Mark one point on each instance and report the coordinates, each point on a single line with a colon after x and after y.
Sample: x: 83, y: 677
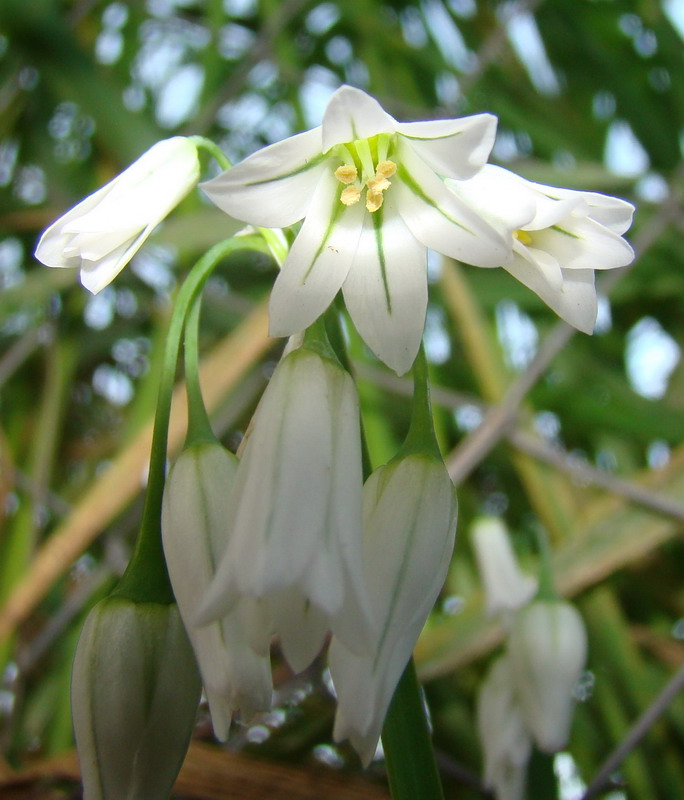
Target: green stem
x: 202, y: 143
x: 547, y: 587
x: 199, y: 426
x: 410, y: 759
x: 421, y: 434
x: 146, y: 578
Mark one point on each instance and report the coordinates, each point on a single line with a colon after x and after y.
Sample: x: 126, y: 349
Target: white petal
x: 612, y: 212
x: 272, y: 187
x: 453, y: 148
x: 318, y: 262
x: 542, y: 261
x: 386, y: 289
x: 352, y: 114
x: 301, y: 626
x: 441, y: 220
x: 581, y: 243
x: 575, y: 302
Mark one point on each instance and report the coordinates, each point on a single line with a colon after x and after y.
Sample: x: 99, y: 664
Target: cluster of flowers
x: 527, y: 696
x: 426, y: 185
x: 287, y: 540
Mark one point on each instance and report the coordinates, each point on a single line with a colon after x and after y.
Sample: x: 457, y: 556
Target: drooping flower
x: 506, y: 742
x: 409, y: 519
x: 135, y: 691
x: 506, y: 587
x: 559, y: 237
x: 295, y: 519
x: 371, y: 194
x: 236, y: 676
x: 103, y: 232
x: 547, y: 646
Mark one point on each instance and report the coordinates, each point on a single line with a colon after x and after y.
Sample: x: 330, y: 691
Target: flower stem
x: 421, y: 436
x: 411, y: 766
x: 547, y: 587
x: 213, y: 149
x: 146, y: 578
x: 199, y: 427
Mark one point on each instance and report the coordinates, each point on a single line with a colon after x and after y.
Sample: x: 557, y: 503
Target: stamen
x: 385, y: 169
x: 374, y: 200
x: 523, y: 237
x: 350, y: 195
x: 346, y: 173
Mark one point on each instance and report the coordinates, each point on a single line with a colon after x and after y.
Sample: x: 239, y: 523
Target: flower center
x: 365, y: 166
x: 524, y: 237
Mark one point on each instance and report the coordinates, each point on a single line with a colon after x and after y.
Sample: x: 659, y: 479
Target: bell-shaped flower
x: 506, y: 587
x: 409, y: 520
x: 194, y: 529
x: 371, y: 194
x: 295, y: 519
x: 103, y: 232
x: 559, y: 237
x: 135, y: 691
x: 506, y: 742
x: 548, y: 650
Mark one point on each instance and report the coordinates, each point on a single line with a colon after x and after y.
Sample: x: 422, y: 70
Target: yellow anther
x: 523, y: 237
x: 378, y: 184
x: 374, y: 200
x: 346, y: 174
x: 385, y: 169
x: 350, y: 195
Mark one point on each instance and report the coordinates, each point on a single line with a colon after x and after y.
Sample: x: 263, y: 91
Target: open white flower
x: 194, y: 514
x: 103, y: 232
x: 409, y: 520
x: 295, y: 540
x: 370, y: 192
x: 559, y: 237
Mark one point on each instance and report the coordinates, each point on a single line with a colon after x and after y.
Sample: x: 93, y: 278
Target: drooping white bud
x: 506, y: 742
x: 506, y: 587
x: 103, y: 232
x: 409, y: 520
x: 295, y: 523
x: 195, y: 523
x: 135, y: 691
x: 548, y: 651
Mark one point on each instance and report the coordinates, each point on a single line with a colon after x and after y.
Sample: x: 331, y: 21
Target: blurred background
x: 541, y: 426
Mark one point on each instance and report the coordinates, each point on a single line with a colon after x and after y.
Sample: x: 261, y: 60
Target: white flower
x: 559, y: 237
x: 370, y: 192
x: 505, y: 740
x: 548, y: 650
x: 103, y: 232
x: 135, y: 690
x: 194, y: 527
x: 409, y: 518
x: 295, y: 520
x: 506, y: 587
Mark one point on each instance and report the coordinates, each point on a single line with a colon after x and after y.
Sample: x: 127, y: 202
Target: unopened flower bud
x: 135, y: 691
x: 548, y: 651
x: 506, y: 587
x: 506, y: 742
x: 409, y: 521
x: 195, y: 522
